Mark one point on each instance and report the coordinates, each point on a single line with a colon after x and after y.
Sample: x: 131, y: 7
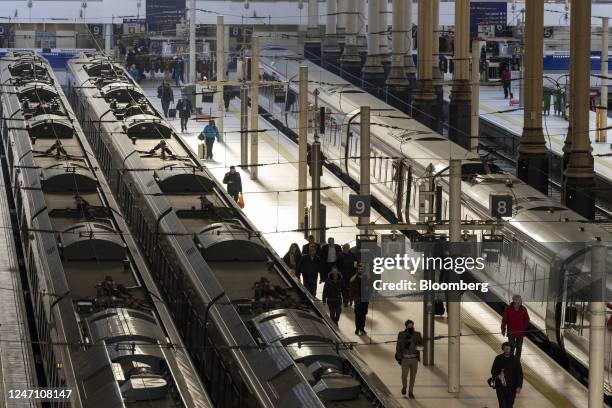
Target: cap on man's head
x: 517, y: 298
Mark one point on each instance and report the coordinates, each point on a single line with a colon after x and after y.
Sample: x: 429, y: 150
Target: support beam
x: 398, y: 86
x: 312, y: 45
x: 602, y: 111
x: 331, y: 49
x: 108, y: 33
x: 302, y: 143
x: 597, y: 326
x: 424, y: 106
x: 532, y: 165
x: 383, y: 23
x: 350, y: 62
x: 373, y: 75
x: 409, y: 46
x: 364, y: 154
x: 220, y: 56
x: 341, y: 23
x: 254, y: 106
x: 192, y: 41
x: 567, y: 146
x: 475, y: 102
x: 244, y: 121
x: 435, y: 67
x: 362, y: 22
x: 579, y: 192
x: 454, y: 298
x: 459, y: 109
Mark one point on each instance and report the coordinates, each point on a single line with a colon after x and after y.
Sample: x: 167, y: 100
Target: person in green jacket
x: 209, y: 134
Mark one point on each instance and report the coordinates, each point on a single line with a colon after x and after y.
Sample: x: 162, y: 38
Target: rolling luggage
x: 202, y: 150
x: 172, y: 112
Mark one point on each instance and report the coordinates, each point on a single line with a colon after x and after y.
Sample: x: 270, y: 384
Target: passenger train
x: 257, y: 337
x: 105, y: 338
x: 541, y: 252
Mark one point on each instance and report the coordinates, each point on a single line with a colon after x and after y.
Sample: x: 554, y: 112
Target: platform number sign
x: 359, y: 205
x: 500, y: 205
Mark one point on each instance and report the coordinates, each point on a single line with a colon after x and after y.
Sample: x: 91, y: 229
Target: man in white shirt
x: 329, y: 255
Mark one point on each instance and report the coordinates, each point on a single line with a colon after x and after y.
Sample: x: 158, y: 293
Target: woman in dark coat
x: 292, y: 258
x: 334, y: 292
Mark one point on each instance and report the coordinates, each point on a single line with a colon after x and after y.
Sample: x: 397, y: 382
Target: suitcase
x: 202, y: 150
x: 172, y: 112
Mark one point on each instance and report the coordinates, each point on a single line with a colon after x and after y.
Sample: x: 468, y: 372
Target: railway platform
x: 271, y: 203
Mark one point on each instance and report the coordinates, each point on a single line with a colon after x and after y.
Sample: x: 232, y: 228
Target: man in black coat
x: 311, y: 241
x: 184, y: 109
x: 165, y: 93
x: 308, y: 268
x: 346, y: 265
x: 329, y: 255
x: 234, y: 183
x: 508, y: 375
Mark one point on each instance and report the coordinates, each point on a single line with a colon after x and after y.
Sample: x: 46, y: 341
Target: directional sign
x: 359, y: 205
x: 500, y: 205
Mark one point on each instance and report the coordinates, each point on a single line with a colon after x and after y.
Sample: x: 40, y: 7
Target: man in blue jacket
x: 209, y: 134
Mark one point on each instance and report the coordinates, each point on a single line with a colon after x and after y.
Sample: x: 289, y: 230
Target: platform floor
x: 271, y: 203
x: 16, y: 359
x: 497, y: 110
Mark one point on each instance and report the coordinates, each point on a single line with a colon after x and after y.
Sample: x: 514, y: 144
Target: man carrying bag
x: 407, y: 355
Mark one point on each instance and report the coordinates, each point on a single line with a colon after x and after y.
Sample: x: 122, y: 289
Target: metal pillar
x: 331, y: 49
x: 108, y: 32
x: 406, y: 28
x: 303, y: 143
x: 398, y: 86
x: 597, y: 330
x: 254, y: 106
x: 364, y: 154
x: 341, y: 23
x: 373, y: 75
x: 602, y: 111
x: 316, y: 179
x: 312, y: 45
x: 383, y: 24
x: 459, y: 109
x: 350, y: 62
x: 532, y: 165
x: 220, y: 56
x: 424, y: 106
x: 475, y: 102
x: 362, y: 21
x: 435, y: 67
x: 192, y: 41
x: 454, y: 298
x: 580, y: 175
x: 244, y: 123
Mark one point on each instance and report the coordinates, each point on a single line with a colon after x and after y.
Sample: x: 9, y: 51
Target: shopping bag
x: 202, y: 150
x: 240, y: 200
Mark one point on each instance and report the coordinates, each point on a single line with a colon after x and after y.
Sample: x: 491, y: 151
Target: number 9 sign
x: 359, y: 205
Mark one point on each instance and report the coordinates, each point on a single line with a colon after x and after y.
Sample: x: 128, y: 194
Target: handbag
x: 491, y: 382
x: 240, y: 200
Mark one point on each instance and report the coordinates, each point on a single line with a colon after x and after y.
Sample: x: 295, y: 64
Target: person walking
x: 334, y: 292
x: 133, y: 71
x: 309, y: 268
x: 166, y: 95
x: 292, y: 258
x: 508, y: 376
x: 234, y: 183
x: 407, y: 355
x: 356, y: 290
x: 346, y: 265
x: 311, y: 241
x: 209, y: 134
x: 506, y: 79
x: 514, y: 322
x: 329, y: 255
x: 184, y: 109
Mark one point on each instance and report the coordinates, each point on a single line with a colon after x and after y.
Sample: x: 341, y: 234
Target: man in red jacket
x: 516, y: 320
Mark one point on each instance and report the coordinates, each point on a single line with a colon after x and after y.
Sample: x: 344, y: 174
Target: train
x: 104, y: 338
x: 257, y: 337
x: 541, y: 252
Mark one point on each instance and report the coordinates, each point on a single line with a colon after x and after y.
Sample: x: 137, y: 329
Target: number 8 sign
x: 500, y: 205
x: 359, y: 205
